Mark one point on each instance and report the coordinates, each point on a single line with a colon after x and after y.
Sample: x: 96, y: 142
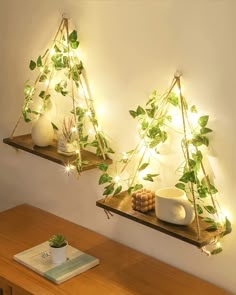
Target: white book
x: 38, y: 259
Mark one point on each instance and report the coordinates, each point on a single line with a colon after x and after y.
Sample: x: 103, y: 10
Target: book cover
x: 38, y: 259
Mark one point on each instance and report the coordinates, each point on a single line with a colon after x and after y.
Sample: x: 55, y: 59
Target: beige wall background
x: 129, y: 48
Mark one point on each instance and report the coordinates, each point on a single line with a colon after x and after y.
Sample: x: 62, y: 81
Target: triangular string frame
x: 154, y: 119
x: 62, y: 56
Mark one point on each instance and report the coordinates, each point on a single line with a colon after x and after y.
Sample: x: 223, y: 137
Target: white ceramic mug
x: 172, y: 205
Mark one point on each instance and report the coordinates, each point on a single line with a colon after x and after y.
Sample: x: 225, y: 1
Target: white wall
x: 129, y: 48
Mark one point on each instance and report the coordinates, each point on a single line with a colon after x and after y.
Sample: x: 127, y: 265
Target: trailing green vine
x: 154, y: 120
x: 59, y: 71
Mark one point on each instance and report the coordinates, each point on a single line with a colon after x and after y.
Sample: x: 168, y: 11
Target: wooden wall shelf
x: 121, y: 204
x: 24, y: 142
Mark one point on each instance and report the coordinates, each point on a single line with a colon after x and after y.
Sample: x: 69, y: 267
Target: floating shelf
x: 121, y: 204
x: 24, y: 142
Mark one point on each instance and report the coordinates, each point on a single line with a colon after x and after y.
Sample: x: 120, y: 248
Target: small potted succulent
x: 58, y: 248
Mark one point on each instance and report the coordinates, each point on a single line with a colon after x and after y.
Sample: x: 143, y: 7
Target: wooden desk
x: 122, y: 271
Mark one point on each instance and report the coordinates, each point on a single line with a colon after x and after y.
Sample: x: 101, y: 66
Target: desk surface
x: 122, y: 271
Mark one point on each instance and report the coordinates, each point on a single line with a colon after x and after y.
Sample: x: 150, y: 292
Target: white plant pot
x: 58, y: 255
x: 42, y: 132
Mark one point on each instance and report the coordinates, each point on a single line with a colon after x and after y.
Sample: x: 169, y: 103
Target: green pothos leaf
x: 103, y: 166
x: 109, y: 189
x: 199, y: 209
x: 216, y: 251
x: 39, y: 62
x: 143, y: 166
x: 118, y: 190
x: 32, y: 65
x: 212, y: 228
x: 104, y: 178
x: 73, y: 36
x: 193, y: 109
x: 180, y: 185
x: 54, y: 126
x: 202, y: 121
x: 205, y: 130
x: 210, y: 209
x: 228, y: 226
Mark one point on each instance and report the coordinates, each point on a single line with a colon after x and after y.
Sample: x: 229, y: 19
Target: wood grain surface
x: 24, y: 142
x: 122, y: 270
x: 121, y: 204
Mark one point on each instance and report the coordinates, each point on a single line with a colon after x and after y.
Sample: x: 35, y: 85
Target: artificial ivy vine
x: 61, y: 60
x: 154, y: 121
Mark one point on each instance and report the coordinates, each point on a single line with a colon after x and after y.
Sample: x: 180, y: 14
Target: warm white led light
x: 52, y: 51
x: 69, y: 167
x: 88, y: 114
x: 193, y: 119
x: 117, y: 179
x: 124, y: 156
x: 40, y: 108
x: 73, y: 129
x: 176, y: 91
x: 189, y: 136
x: 47, y: 82
x: 90, y: 131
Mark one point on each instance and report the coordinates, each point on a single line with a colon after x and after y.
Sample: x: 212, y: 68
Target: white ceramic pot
x: 58, y: 255
x: 172, y: 205
x: 42, y: 132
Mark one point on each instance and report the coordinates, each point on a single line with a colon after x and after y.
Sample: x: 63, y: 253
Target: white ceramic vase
x: 58, y: 255
x: 42, y: 132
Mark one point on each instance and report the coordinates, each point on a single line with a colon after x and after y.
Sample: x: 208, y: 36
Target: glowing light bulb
x: 69, y: 167
x: 124, y: 156
x: 218, y: 245
x: 193, y: 119
x: 77, y: 152
x: 73, y: 129
x: 52, y: 51
x: 46, y: 82
x: 88, y: 114
x: 41, y: 70
x: 176, y: 119
x: 100, y: 111
x: 189, y: 136
x: 90, y: 131
x: 40, y: 108
x: 225, y: 213
x: 176, y: 91
x: 117, y: 179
